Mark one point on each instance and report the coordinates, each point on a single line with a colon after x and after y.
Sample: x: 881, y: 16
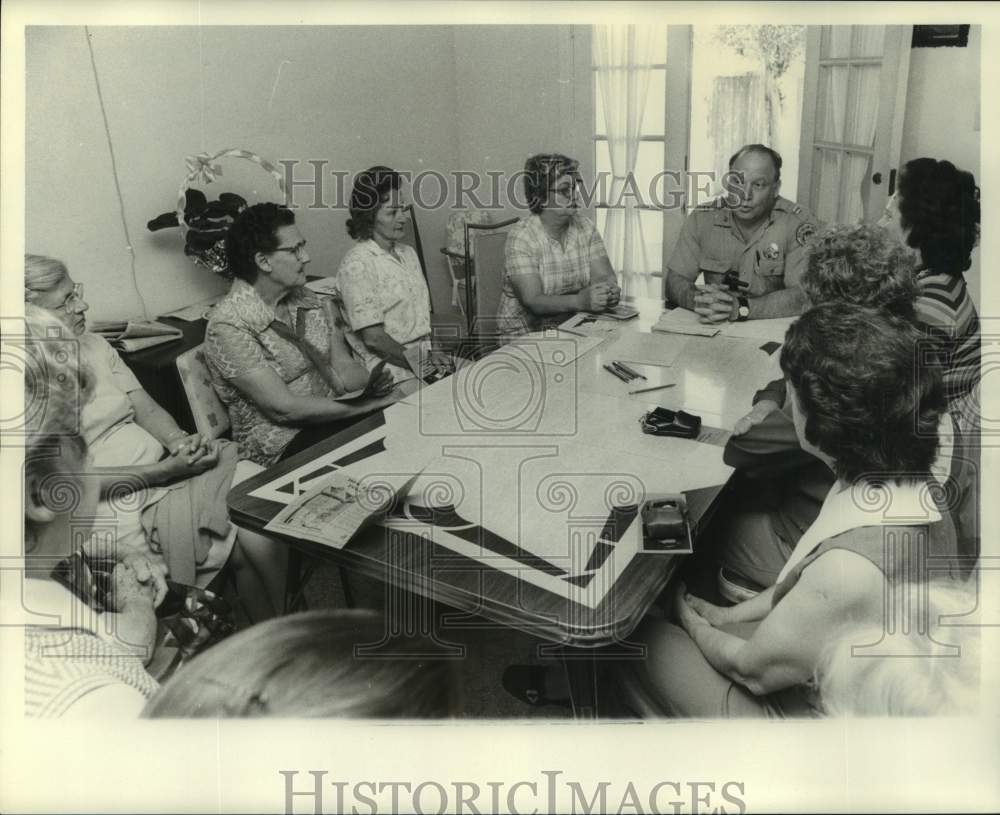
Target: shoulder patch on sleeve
x: 805, y: 231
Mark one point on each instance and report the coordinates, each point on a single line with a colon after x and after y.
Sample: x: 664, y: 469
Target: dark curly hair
x: 867, y: 403
x: 372, y: 188
x: 939, y: 204
x: 541, y: 172
x: 861, y: 265
x: 254, y: 230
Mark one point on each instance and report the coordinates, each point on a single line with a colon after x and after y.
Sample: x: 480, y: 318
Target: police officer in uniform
x: 749, y: 244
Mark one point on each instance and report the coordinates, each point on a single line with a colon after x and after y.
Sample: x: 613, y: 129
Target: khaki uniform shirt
x: 772, y: 258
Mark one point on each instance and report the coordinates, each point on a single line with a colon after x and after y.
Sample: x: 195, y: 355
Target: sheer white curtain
x: 849, y: 116
x: 622, y: 58
x: 861, y: 126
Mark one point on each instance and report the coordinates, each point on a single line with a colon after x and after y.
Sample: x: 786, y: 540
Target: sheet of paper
x: 553, y: 347
x: 682, y: 321
x: 644, y: 348
x: 762, y: 330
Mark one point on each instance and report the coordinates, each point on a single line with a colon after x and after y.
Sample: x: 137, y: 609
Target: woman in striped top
x: 936, y: 212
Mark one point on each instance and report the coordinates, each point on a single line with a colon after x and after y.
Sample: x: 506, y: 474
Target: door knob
x: 877, y: 178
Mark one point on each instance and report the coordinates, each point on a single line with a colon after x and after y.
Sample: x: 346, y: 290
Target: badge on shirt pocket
x: 770, y: 263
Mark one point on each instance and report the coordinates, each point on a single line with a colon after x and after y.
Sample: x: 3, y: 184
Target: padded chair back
x: 210, y: 416
x: 487, y: 242
x: 411, y: 235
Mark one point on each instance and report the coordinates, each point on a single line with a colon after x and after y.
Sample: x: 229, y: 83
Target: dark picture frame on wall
x: 938, y: 36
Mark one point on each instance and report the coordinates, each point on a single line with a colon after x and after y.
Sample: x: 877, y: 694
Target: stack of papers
x: 682, y: 321
x: 136, y: 335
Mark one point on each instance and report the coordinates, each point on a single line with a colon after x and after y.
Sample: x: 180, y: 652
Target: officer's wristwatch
x: 743, y: 312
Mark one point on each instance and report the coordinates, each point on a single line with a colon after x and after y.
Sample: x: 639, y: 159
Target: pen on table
x: 654, y: 388
x: 629, y: 375
x: 629, y: 371
x: 620, y: 375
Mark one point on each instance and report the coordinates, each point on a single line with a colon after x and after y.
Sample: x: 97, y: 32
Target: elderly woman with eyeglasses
x: 88, y: 658
x: 276, y: 349
x: 555, y: 260
x: 163, y: 487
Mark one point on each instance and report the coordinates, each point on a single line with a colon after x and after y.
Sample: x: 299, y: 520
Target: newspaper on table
x: 332, y: 511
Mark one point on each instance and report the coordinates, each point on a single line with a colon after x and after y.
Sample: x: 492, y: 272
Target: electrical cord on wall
x: 114, y: 175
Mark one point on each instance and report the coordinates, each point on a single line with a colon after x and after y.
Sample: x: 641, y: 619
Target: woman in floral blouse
x: 276, y: 350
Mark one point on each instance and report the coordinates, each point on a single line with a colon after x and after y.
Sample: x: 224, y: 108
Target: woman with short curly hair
x: 276, y: 350
x: 863, y: 407
x: 555, y: 261
x: 935, y: 211
x: 860, y: 264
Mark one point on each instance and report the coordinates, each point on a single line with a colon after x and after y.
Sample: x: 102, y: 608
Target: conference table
x: 533, y: 467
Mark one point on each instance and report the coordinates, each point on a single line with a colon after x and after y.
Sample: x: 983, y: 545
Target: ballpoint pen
x: 629, y: 375
x: 620, y: 375
x: 634, y: 374
x: 654, y: 388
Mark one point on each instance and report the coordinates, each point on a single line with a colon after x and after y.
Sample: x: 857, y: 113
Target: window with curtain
x: 630, y: 65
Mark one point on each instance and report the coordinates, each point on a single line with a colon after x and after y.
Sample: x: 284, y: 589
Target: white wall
x: 943, y: 113
x: 352, y: 96
x: 522, y: 90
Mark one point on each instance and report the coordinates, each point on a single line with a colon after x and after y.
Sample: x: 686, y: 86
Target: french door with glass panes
x: 852, y: 117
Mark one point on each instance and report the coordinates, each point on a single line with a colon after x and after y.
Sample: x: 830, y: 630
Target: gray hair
x: 42, y: 273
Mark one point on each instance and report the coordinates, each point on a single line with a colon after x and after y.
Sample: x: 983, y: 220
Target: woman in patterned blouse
x: 382, y: 289
x: 276, y: 349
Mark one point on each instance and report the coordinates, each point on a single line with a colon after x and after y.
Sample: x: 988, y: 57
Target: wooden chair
x: 482, y: 297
